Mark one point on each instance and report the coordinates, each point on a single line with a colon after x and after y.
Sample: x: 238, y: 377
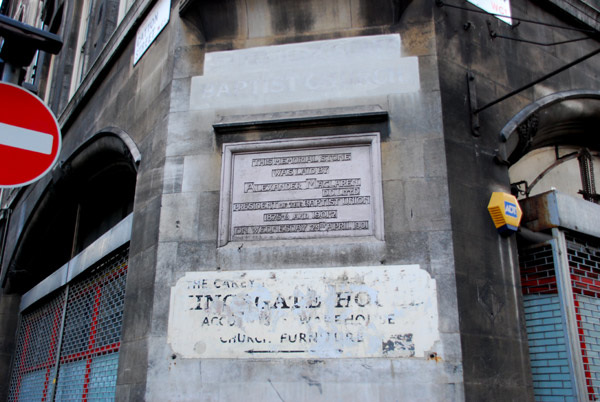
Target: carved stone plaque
x: 301, y: 188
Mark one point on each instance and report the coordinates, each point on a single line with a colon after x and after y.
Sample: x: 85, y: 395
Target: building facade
x: 287, y: 200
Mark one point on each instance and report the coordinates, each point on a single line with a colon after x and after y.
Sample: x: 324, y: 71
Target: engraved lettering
x: 317, y: 170
x: 341, y: 192
x: 308, y: 184
x: 301, y: 227
x: 304, y: 215
x: 292, y: 160
x: 302, y: 193
x: 305, y: 203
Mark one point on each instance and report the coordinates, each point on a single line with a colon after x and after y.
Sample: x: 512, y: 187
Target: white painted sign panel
x: 151, y: 28
x: 384, y: 311
x: 305, y: 72
x: 500, y: 7
x: 22, y: 138
x: 301, y: 189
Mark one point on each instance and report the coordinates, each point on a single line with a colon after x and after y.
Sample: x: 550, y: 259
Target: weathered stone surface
x: 199, y: 173
x: 236, y: 19
x: 190, y: 133
x: 403, y: 159
x: 173, y: 175
x: 304, y: 72
x: 259, y: 63
x: 179, y: 217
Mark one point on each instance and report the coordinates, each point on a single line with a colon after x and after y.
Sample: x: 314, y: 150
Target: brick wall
x: 588, y: 323
x: 547, y: 349
x: 537, y: 270
x: 584, y: 264
x: 546, y: 335
x: 584, y: 261
x: 545, y: 331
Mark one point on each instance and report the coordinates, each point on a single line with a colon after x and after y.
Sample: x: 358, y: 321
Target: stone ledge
x: 300, y: 118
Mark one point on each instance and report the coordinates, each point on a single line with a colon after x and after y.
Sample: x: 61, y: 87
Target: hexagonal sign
x: 505, y: 212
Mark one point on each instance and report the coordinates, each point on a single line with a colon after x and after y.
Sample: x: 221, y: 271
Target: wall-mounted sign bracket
x: 493, y: 34
x: 21, y: 41
x: 473, y: 104
x: 474, y: 110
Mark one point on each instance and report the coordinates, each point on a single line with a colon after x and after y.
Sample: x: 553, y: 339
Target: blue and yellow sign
x: 505, y: 212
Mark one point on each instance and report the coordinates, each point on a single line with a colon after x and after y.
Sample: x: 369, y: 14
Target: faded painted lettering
x: 317, y: 312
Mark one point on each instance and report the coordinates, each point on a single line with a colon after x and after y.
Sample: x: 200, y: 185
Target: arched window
x: 552, y: 147
x: 71, y: 266
x: 90, y: 193
x: 555, y: 144
x: 571, y: 169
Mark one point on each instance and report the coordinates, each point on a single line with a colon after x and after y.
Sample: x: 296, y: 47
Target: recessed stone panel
x: 305, y: 72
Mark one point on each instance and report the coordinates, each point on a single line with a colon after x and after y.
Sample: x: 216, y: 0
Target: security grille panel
x: 35, y: 355
x: 90, y: 342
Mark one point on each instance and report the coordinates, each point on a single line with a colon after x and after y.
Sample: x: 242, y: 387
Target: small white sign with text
x: 154, y: 23
x: 500, y: 8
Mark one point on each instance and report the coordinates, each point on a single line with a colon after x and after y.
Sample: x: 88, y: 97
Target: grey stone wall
x: 489, y: 295
x: 116, y: 97
x: 436, y: 180
x: 416, y: 212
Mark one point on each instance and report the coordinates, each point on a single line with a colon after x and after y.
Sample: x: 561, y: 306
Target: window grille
x: 35, y: 355
x: 588, y: 182
x: 87, y: 330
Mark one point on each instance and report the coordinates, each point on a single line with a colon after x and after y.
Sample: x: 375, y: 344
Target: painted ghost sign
x: 387, y: 311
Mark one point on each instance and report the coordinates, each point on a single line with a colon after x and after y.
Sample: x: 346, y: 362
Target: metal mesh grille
x: 588, y: 182
x: 89, y: 353
x: 35, y: 354
x: 90, y: 342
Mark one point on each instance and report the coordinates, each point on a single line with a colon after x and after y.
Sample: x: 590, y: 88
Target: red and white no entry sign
x: 30, y: 139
